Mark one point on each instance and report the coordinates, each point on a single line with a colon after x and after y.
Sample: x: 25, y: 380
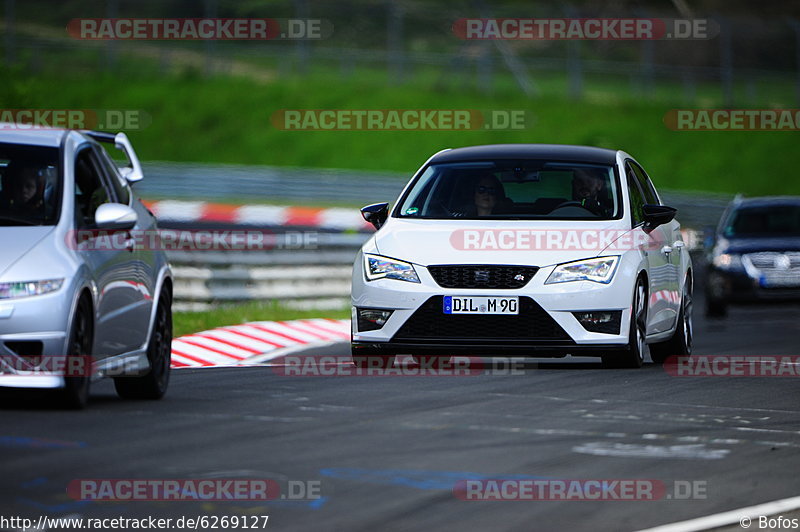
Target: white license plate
x: 481, y: 305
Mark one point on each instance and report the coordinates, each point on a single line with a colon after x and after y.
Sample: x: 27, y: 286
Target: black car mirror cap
x: 376, y: 214
x: 655, y: 215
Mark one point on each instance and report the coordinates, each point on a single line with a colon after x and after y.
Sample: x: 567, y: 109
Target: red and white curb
x: 258, y: 215
x: 236, y: 344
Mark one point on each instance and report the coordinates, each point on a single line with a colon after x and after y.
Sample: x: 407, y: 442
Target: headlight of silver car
x: 29, y: 288
x: 598, y: 270
x: 378, y: 267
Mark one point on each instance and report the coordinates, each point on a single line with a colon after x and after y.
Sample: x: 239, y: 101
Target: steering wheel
x: 574, y: 203
x: 452, y: 214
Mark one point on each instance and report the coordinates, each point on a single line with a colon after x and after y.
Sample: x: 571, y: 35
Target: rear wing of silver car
x: 132, y: 171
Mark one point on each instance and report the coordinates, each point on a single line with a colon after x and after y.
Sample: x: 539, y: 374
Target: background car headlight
x: 377, y: 267
x: 29, y: 288
x: 728, y: 261
x: 599, y: 270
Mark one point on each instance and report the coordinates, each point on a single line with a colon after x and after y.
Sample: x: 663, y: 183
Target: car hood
x: 16, y: 242
x: 754, y: 245
x: 427, y: 242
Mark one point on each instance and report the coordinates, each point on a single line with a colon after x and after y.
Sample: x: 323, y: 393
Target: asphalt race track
x: 386, y: 452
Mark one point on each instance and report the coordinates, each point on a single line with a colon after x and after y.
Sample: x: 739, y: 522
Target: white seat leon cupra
x: 523, y: 250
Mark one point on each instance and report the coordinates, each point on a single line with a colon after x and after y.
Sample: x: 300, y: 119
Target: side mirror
x: 655, y: 215
x: 132, y: 173
x: 115, y: 217
x: 376, y: 214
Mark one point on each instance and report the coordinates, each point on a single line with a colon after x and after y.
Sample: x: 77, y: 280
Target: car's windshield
x: 29, y: 185
x: 775, y: 220
x: 531, y: 189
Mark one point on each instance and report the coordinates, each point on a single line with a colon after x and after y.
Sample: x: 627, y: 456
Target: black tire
x: 716, y: 308
x: 680, y: 344
x: 75, y: 394
x: 633, y: 355
x: 153, y: 384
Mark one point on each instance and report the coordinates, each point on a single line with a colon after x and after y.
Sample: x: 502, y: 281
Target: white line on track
x: 729, y: 518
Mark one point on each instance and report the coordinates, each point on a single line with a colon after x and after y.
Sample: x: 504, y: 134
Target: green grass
x: 227, y: 120
x: 191, y: 322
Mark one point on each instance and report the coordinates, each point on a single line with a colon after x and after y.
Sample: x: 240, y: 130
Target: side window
x: 118, y: 183
x: 649, y: 190
x: 89, y: 190
x: 635, y: 195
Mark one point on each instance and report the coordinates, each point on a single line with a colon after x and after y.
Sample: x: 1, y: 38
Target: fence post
x: 112, y: 11
x: 795, y: 24
x: 301, y: 12
x: 394, y: 41
x: 210, y: 44
x: 10, y: 32
x: 726, y: 61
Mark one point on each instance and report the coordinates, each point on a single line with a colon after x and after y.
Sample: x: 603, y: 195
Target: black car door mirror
x: 376, y: 214
x: 655, y: 215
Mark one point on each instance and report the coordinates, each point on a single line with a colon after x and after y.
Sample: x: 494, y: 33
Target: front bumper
x: 35, y: 324
x: 557, y: 331
x: 738, y: 286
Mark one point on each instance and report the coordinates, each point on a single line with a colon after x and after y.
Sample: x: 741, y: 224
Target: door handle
x: 130, y: 242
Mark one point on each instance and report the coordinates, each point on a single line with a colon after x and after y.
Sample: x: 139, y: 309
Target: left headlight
x: 29, y: 288
x: 378, y: 267
x: 599, y: 270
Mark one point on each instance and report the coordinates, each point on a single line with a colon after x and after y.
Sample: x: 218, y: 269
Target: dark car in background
x: 755, y: 253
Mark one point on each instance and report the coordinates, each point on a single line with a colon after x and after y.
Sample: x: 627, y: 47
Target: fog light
x: 372, y: 319
x: 600, y: 321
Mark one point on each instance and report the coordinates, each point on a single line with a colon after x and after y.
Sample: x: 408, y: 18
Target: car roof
x: 766, y: 201
x: 559, y: 152
x: 34, y: 136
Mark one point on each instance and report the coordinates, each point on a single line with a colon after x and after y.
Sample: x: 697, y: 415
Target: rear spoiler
x: 133, y: 171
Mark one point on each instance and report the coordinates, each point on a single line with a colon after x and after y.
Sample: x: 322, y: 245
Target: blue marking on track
x: 39, y: 443
x: 423, y: 480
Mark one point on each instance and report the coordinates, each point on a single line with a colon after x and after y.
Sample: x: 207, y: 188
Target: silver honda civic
x: 85, y: 290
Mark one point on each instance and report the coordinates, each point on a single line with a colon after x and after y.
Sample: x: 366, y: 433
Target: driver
x: 29, y: 195
x: 588, y: 188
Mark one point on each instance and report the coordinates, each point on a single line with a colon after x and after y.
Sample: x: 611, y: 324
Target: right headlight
x: 598, y: 270
x: 378, y: 267
x: 728, y: 261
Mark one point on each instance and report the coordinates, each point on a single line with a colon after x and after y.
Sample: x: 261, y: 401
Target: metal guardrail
x: 302, y: 278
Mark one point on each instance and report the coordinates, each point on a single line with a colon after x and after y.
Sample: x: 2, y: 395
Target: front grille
x: 482, y: 276
x: 771, y: 260
x: 775, y: 268
x: 430, y: 323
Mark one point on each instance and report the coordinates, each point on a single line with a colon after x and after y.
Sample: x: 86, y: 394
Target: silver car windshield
x: 528, y: 189
x: 29, y: 185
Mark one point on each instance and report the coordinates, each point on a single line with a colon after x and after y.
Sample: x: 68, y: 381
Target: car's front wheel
x: 681, y: 342
x: 153, y: 384
x: 79, y: 355
x: 633, y: 355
